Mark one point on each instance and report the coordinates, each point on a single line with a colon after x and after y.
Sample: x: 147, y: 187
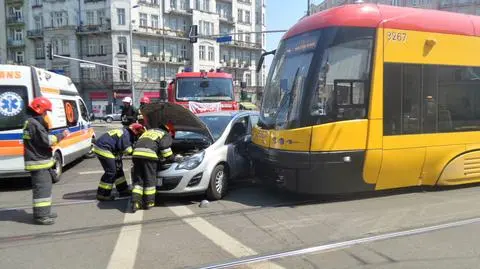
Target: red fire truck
x: 203, y: 91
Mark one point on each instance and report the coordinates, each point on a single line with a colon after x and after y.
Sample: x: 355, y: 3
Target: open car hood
x: 181, y: 118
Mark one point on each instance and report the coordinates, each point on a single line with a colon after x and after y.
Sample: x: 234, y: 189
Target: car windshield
x: 204, y: 89
x: 12, y: 107
x: 216, y: 125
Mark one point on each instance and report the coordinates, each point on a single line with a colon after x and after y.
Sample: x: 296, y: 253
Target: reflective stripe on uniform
x: 42, y: 202
x: 145, y: 152
x: 150, y: 190
x: 128, y: 150
x: 52, y: 140
x: 137, y: 189
x: 120, y: 180
x: 38, y: 165
x: 166, y: 152
x: 105, y: 186
x: 152, y: 134
x: 115, y: 132
x: 102, y: 152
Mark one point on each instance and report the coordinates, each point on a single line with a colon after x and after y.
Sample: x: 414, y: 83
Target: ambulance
x: 18, y: 86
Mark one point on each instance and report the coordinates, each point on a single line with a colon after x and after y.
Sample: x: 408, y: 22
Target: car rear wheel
x: 218, y: 183
x: 109, y: 120
x: 57, y: 168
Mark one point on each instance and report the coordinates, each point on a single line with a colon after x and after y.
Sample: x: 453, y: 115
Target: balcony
x: 37, y: 5
x: 93, y: 1
x: 159, y: 59
x: 14, y: 1
x: 37, y: 33
x: 179, y: 11
x: 15, y: 43
x: 247, y: 2
x: 242, y: 44
x: 88, y: 29
x: 226, y: 19
x: 148, y: 3
x: 15, y: 20
x: 172, y: 34
x: 236, y: 64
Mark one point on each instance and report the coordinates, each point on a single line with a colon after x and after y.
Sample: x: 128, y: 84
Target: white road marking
x: 125, y: 252
x: 219, y: 237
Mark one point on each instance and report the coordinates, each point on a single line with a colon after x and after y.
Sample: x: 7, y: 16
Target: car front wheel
x: 57, y: 168
x: 109, y: 120
x: 218, y: 183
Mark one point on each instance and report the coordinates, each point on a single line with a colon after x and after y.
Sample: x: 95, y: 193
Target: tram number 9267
x: 397, y: 36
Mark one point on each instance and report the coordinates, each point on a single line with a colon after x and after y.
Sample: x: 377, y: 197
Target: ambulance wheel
x: 58, y: 169
x: 218, y: 183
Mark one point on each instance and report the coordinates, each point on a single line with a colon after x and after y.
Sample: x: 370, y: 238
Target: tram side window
x: 430, y: 99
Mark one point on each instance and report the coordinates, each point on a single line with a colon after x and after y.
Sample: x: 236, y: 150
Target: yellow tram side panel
x: 431, y: 159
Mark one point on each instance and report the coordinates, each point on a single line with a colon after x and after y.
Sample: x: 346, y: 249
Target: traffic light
x: 49, y: 52
x: 193, y: 34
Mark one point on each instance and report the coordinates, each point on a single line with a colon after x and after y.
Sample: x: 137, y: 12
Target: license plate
x: 159, y: 181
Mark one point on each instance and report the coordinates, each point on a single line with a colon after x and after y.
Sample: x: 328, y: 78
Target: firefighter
x: 109, y: 148
x: 39, y: 159
x: 144, y: 101
x: 153, y: 146
x: 128, y: 115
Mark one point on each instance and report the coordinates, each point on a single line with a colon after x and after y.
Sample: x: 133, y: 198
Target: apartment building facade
x: 103, y: 31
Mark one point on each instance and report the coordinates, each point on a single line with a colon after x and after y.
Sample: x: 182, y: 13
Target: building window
x: 55, y: 47
x: 247, y: 38
x: 102, y: 50
x: 122, y: 45
x: 121, y: 16
x: 60, y: 19
x: 39, y: 50
x: 101, y: 17
x: 184, y: 4
x: 19, y: 57
x: 211, y: 54
x: 240, y: 15
x: 201, y: 52
x: 206, y: 5
x: 104, y: 72
x: 154, y: 19
x: 38, y: 23
x: 18, y: 35
x: 248, y: 79
x: 123, y: 73
x: 183, y: 51
x: 247, y: 16
x: 430, y: 99
x: 65, y: 47
x: 173, y: 4
x: 90, y: 18
x: 143, y: 20
x: 92, y: 48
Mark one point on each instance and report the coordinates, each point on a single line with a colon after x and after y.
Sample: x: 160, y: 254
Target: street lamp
x: 132, y: 84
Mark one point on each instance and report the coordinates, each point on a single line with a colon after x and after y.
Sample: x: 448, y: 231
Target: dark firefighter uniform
x: 38, y: 160
x: 109, y: 149
x: 153, y: 146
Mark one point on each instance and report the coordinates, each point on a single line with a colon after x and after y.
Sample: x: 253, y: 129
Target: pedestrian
x: 39, y: 159
x: 143, y: 102
x: 152, y: 147
x: 129, y: 114
x: 109, y: 148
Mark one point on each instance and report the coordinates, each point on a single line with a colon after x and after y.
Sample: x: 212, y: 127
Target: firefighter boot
x: 149, y: 205
x: 135, y: 205
x: 44, y: 220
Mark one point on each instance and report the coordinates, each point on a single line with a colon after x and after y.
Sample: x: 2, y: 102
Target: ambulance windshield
x: 13, y: 103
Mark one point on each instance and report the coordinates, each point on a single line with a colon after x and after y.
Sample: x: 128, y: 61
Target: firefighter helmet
x: 127, y: 99
x: 145, y: 100
x: 41, y: 105
x: 137, y: 128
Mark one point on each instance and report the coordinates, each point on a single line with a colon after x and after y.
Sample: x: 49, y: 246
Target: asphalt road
x: 275, y: 229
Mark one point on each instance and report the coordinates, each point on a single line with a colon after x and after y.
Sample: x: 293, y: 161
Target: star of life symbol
x: 11, y: 104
